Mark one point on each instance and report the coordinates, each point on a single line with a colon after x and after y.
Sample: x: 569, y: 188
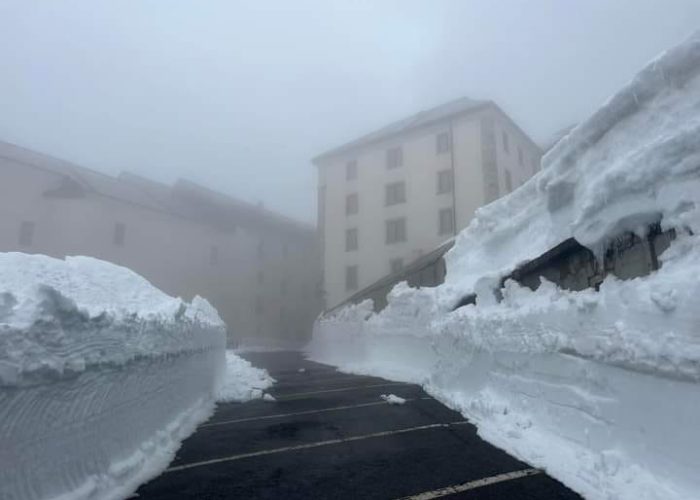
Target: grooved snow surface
x: 601, y: 389
x: 101, y: 377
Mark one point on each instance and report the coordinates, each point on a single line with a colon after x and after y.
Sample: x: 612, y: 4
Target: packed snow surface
x: 393, y: 399
x: 101, y: 377
x: 602, y: 389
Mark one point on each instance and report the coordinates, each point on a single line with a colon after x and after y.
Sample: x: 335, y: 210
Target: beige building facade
x: 396, y: 194
x: 259, y: 269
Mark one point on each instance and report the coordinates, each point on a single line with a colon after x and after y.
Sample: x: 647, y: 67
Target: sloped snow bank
x: 101, y: 377
x: 242, y: 381
x: 602, y: 389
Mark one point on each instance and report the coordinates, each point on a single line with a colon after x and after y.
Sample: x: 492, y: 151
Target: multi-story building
x: 390, y: 196
x: 259, y: 269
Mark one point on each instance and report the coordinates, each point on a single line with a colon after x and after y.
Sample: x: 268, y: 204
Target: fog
x: 240, y: 95
x: 314, y: 249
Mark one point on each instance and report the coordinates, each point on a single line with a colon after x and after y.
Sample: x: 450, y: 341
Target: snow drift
x: 101, y: 377
x: 600, y: 388
x: 242, y: 381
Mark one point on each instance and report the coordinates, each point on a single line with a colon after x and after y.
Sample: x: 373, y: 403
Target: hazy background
x: 240, y: 95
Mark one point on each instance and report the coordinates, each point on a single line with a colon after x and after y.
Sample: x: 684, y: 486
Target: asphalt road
x: 329, y: 435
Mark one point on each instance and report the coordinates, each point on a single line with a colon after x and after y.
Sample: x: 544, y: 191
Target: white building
x: 390, y: 196
x: 259, y: 269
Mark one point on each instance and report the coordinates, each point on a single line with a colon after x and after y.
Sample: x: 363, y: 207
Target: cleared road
x: 329, y: 435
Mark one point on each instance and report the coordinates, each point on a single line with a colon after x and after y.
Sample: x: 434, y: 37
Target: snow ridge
x: 601, y: 389
x: 101, y: 377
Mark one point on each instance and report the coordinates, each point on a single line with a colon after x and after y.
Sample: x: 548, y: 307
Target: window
x: 351, y: 204
x: 447, y: 221
x: 444, y: 182
x: 509, y: 181
x: 395, y: 193
x: 506, y: 147
x: 396, y: 230
x: 119, y: 237
x: 443, y: 144
x: 394, y: 157
x: 351, y: 278
x: 214, y: 255
x: 351, y: 239
x: 520, y: 156
x: 26, y: 234
x: 395, y: 265
x: 351, y: 170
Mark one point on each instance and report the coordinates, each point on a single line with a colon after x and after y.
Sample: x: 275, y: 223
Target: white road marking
x: 472, y: 485
x: 306, y: 446
x: 353, y: 388
x: 307, y: 412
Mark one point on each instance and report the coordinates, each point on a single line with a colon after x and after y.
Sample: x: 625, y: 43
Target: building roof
x: 424, y: 118
x: 88, y: 180
x: 184, y: 199
x: 204, y: 204
x: 420, y: 119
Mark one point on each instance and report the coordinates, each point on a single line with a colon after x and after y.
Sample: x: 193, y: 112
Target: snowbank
x: 602, y: 389
x: 101, y: 377
x: 242, y: 381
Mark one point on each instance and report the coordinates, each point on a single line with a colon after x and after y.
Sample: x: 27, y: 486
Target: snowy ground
x: 102, y: 376
x: 602, y: 389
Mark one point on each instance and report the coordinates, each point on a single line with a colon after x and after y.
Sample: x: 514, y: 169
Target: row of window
x: 394, y: 156
x: 395, y: 192
x: 396, y: 230
x: 27, y: 229
x: 25, y: 238
x: 443, y: 144
x: 284, y: 287
x: 351, y: 273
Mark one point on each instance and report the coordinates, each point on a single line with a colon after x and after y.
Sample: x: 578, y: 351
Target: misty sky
x: 240, y: 95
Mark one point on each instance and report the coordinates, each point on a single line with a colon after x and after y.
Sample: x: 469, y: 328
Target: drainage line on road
x: 308, y: 445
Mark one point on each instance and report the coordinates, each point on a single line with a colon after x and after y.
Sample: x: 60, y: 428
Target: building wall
x: 173, y: 253
x: 421, y: 164
x: 509, y: 161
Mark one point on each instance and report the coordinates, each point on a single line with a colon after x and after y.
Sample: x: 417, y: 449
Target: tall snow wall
x: 600, y: 388
x: 101, y: 377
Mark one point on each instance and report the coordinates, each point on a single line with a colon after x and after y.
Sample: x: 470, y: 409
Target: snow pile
x: 393, y: 399
x: 242, y: 381
x: 602, y: 389
x: 101, y: 377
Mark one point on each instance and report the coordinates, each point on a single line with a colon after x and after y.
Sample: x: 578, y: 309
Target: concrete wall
x: 574, y: 267
x: 569, y: 265
x: 174, y: 253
